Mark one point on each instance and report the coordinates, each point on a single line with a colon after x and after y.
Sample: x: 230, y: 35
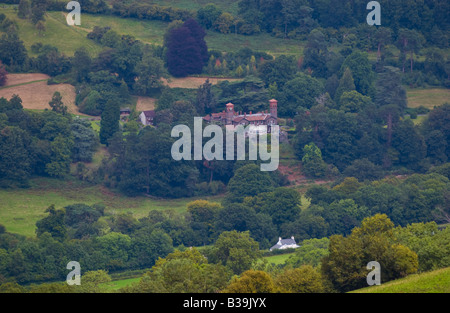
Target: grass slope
x: 69, y: 38
x: 66, y: 38
x: 21, y: 208
x: 431, y: 282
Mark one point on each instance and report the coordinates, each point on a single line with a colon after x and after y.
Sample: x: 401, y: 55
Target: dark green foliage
x: 3, y: 75
x: 206, y: 100
x: 57, y: 104
x: 410, y: 145
x: 363, y: 169
x: 280, y: 70
x: 346, y: 84
x: 149, y: 73
x: 51, y: 62
x: 24, y: 9
x: 316, y: 53
x: 282, y: 205
x: 52, y: 224
x: 110, y: 121
x: 12, y: 50
x: 81, y: 63
x: 438, y: 120
x: 248, y: 180
x: 143, y: 163
x: 236, y: 250
x: 312, y: 162
x: 246, y: 95
x: 208, y: 15
x: 15, y: 158
x: 361, y: 70
x: 299, y: 93
x: 85, y: 140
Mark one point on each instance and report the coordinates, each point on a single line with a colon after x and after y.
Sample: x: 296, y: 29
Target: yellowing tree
x: 251, y: 282
x: 305, y: 279
x: 346, y: 265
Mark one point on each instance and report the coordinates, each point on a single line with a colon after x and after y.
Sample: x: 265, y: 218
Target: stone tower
x: 230, y: 113
x: 274, y: 108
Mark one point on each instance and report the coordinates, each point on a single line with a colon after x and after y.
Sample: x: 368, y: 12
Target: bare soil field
x: 194, y: 82
x: 37, y: 95
x: 17, y: 79
x: 145, y: 104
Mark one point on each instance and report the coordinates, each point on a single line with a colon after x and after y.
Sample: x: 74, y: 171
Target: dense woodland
x: 348, y: 122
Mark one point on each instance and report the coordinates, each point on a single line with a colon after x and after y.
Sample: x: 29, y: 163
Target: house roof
x: 239, y: 118
x: 284, y: 242
x: 149, y: 114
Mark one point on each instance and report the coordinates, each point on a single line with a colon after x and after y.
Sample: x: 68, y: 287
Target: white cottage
x: 285, y: 244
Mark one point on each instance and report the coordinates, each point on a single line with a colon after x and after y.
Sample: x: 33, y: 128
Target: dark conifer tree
x: 110, y: 121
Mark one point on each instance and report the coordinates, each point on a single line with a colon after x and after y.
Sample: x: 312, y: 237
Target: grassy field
x: 428, y: 98
x: 21, y: 208
x: 278, y: 259
x: 69, y: 38
x: 115, y: 285
x: 57, y: 33
x: 431, y: 282
x: 152, y: 32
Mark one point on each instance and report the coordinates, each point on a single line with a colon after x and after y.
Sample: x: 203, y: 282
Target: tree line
x: 233, y: 264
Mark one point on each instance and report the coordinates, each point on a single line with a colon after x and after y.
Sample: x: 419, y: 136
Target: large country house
x: 231, y: 117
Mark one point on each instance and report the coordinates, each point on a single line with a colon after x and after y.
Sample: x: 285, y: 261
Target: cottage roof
x: 284, y: 242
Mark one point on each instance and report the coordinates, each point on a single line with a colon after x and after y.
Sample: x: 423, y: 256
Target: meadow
x: 67, y: 39
x: 151, y: 32
x: 20, y: 209
x: 428, y: 98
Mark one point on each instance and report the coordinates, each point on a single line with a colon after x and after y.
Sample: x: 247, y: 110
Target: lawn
x: 278, y: 259
x: 115, y: 285
x: 431, y: 282
x: 21, y: 208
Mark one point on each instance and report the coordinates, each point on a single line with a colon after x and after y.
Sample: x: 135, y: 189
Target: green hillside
x: 20, y: 209
x: 150, y: 32
x: 431, y: 282
x: 66, y: 38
